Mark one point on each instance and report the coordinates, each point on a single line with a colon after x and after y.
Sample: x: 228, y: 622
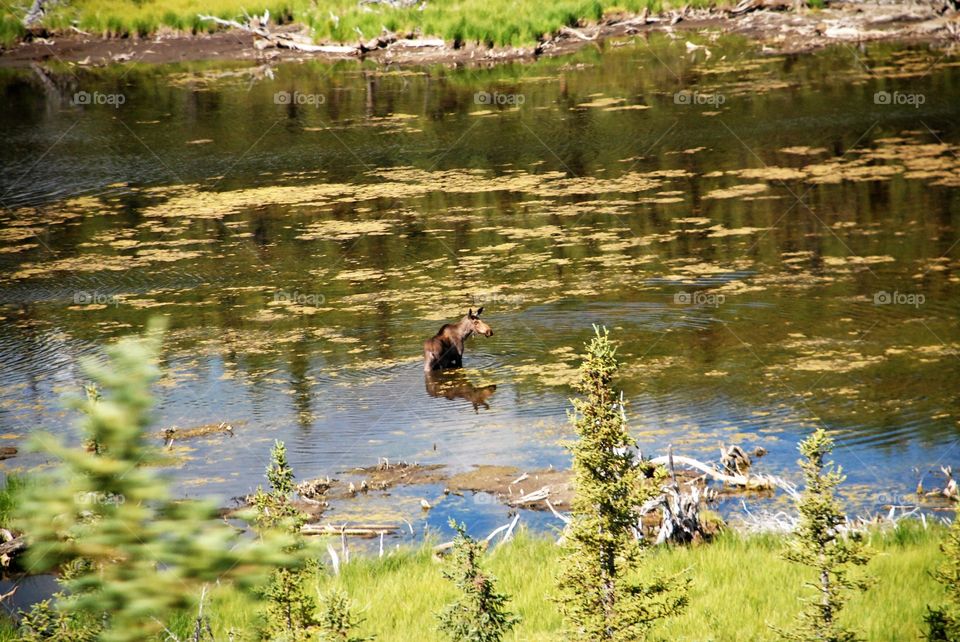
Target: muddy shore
x: 778, y: 30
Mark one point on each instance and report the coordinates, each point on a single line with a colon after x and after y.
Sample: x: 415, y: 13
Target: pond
x: 772, y: 240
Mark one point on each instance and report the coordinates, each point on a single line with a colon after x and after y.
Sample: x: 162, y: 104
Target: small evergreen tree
x: 605, y: 592
x: 820, y: 544
x: 479, y: 614
x: 275, y: 509
x: 291, y: 608
x: 337, y: 619
x: 144, y: 556
x: 46, y: 622
x: 93, y: 396
x: 943, y: 622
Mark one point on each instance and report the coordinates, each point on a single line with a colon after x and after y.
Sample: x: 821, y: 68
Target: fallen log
x: 440, y: 549
x: 750, y: 482
x: 419, y: 42
x: 10, y: 548
x: 35, y: 14
x: 530, y: 498
x: 256, y: 26
x: 679, y: 511
x: 746, y: 6
x: 679, y: 515
x: 361, y: 530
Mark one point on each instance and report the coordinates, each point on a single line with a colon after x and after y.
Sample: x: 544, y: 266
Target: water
x: 775, y: 247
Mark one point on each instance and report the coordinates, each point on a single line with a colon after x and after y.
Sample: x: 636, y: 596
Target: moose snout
x: 489, y: 333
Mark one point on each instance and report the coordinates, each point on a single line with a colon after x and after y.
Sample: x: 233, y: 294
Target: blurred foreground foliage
x: 129, y: 557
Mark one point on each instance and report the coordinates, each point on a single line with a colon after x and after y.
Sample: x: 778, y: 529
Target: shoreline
x: 778, y: 32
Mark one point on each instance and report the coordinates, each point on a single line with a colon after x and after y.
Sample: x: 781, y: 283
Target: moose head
x: 478, y: 325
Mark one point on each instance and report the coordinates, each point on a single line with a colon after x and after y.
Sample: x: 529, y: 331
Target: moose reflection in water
x: 445, y: 349
x: 455, y: 386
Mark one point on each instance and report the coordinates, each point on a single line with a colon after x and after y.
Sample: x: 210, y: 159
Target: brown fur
x: 445, y: 349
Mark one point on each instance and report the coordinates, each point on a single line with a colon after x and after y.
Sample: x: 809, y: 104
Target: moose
x: 445, y: 349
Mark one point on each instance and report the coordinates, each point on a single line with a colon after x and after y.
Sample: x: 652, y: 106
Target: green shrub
x: 479, y: 613
x: 137, y: 556
x: 606, y: 590
x: 820, y: 543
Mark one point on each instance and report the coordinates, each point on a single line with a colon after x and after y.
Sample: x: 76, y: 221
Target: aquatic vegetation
x: 319, y: 262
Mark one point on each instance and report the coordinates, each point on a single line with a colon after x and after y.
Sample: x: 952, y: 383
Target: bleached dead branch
x: 750, y: 482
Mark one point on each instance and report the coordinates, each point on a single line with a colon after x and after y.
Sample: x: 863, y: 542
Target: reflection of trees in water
x: 300, y: 382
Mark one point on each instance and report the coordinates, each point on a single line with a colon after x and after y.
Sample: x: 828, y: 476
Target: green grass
x: 13, y: 487
x: 740, y: 586
x: 489, y: 22
x: 11, y: 28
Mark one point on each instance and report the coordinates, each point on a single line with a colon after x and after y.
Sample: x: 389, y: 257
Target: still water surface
x: 775, y: 247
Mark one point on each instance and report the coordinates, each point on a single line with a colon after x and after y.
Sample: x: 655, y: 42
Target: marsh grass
x: 13, y: 487
x: 485, y: 22
x: 11, y: 29
x: 741, y: 585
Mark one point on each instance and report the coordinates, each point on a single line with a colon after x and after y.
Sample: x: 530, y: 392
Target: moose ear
x: 470, y: 313
x: 480, y: 311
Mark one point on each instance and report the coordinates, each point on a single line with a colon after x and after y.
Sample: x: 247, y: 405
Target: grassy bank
x: 740, y: 586
x: 489, y: 22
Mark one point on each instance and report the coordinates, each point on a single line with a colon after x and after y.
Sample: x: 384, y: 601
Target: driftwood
x: 735, y: 460
x: 570, y: 31
x: 440, y: 549
x: 750, y: 482
x: 173, y: 433
x: 313, y: 490
x: 361, y: 530
x: 530, y: 498
x: 679, y: 510
x: 257, y: 26
x: 11, y: 547
x: 679, y: 506
x: 679, y: 515
x: 416, y: 43
x: 949, y: 491
x: 746, y: 6
x: 35, y: 14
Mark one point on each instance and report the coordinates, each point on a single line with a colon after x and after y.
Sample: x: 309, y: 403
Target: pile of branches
x: 678, y: 505
x: 264, y: 38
